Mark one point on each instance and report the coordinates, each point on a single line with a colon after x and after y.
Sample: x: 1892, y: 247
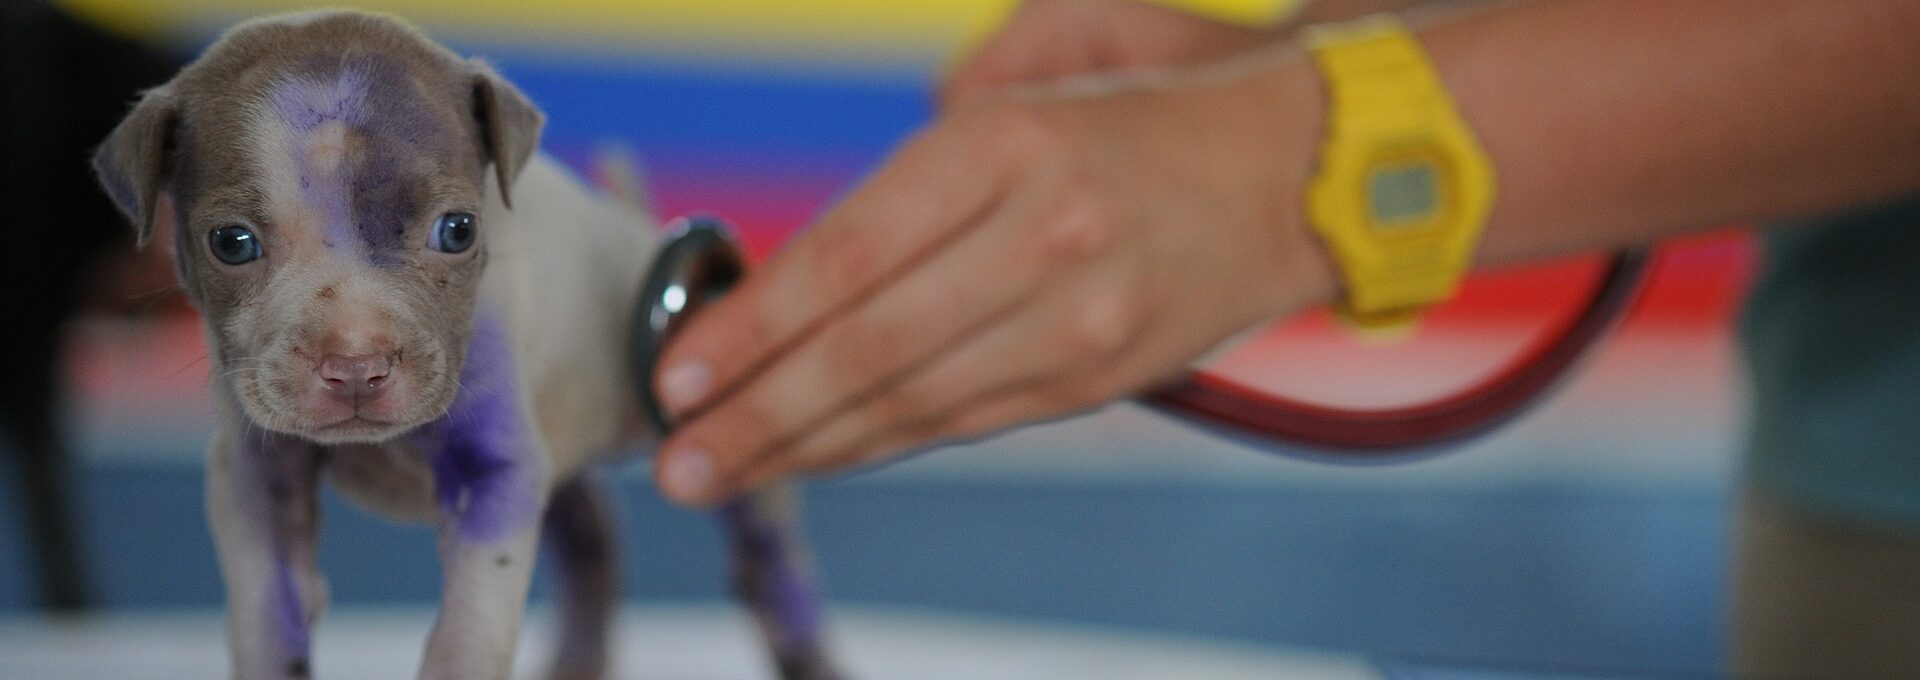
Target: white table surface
x: 671, y: 643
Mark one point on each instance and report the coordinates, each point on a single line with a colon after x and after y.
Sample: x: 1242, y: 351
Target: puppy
x: 402, y: 296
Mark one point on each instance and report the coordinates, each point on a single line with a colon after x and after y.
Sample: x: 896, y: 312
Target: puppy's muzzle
x: 350, y: 382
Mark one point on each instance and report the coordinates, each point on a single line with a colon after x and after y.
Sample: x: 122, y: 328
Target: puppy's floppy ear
x: 509, y: 125
x: 132, y: 163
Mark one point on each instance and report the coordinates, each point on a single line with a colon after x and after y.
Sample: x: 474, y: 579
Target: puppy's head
x: 329, y: 175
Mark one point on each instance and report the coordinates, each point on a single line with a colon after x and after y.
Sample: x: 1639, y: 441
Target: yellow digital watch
x: 1403, y: 188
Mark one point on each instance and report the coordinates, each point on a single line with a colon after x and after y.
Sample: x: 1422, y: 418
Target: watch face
x: 1403, y: 194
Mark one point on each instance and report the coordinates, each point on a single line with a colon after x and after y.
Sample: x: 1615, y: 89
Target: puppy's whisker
x: 190, y: 364
x: 245, y: 370
x: 152, y: 296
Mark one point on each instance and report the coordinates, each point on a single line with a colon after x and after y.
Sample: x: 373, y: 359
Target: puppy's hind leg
x: 773, y: 577
x: 581, y: 542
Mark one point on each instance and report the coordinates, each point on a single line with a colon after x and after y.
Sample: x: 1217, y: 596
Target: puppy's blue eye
x: 234, y: 244
x: 454, y: 233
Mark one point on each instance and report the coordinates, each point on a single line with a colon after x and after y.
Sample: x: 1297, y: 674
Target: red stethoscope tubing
x: 1222, y: 403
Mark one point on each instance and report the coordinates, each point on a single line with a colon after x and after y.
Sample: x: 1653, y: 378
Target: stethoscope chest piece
x: 699, y: 262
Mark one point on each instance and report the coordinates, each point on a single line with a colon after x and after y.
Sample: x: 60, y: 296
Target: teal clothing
x: 1832, y: 340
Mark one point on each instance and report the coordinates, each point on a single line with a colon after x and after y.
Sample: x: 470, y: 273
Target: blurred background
x: 1589, y: 538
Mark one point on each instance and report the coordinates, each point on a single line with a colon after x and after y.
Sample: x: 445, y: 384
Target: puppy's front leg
x: 486, y: 595
x: 261, y: 503
x: 490, y: 477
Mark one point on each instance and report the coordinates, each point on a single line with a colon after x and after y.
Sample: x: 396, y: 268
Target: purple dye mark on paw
x: 290, y: 616
x: 481, y: 448
x: 771, y: 579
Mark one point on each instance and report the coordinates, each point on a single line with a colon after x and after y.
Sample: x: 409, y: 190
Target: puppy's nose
x: 354, y: 375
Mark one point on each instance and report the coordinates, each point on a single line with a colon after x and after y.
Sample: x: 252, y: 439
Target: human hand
x: 1050, y: 39
x: 1026, y: 258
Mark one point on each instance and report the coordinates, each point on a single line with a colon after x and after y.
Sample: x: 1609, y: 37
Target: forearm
x: 1613, y: 122
x: 1312, y: 12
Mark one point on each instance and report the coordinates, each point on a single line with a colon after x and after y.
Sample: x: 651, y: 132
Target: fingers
x: 972, y: 285
x: 1022, y: 405
x: 934, y: 190
x: 1061, y: 356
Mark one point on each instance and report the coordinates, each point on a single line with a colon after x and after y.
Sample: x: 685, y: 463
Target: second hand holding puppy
x: 1029, y: 255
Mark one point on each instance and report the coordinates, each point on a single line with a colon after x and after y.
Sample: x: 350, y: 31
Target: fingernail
x: 686, y: 475
x: 685, y: 384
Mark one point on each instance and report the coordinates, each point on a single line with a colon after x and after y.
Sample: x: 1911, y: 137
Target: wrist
x: 1288, y: 102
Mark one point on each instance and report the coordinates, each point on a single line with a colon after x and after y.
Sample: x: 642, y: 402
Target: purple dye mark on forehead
x: 482, y: 449
x: 385, y: 200
x: 306, y: 104
x: 372, y: 194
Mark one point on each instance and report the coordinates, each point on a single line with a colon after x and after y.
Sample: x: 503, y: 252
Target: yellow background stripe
x: 888, y: 26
